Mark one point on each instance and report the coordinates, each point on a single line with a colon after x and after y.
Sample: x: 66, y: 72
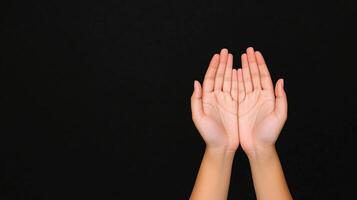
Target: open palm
x: 262, y: 111
x: 215, y: 105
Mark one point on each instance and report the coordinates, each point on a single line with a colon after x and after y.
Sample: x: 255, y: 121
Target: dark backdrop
x: 95, y: 95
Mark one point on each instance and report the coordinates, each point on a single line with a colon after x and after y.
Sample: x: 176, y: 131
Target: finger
x: 234, y: 90
x: 248, y: 86
x: 241, y: 90
x: 196, y: 102
x: 265, y: 78
x: 227, y: 83
x: 253, y: 67
x: 218, y: 82
x: 208, y: 82
x: 281, y: 103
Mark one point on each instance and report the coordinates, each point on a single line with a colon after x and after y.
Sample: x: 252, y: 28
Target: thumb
x: 196, y: 101
x: 281, y: 103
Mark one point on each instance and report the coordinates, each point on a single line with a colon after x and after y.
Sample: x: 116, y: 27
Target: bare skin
x: 215, y: 114
x: 262, y: 113
x: 239, y: 106
x: 215, y: 105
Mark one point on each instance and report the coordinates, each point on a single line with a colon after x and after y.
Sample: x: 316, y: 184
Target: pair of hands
x: 239, y: 106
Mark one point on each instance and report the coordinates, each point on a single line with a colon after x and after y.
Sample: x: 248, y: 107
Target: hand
x: 215, y: 105
x: 261, y: 113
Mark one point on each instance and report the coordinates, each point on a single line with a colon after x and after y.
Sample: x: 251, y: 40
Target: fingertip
x: 230, y: 59
x: 259, y: 57
x: 250, y: 49
x: 215, y: 57
x: 282, y: 83
x: 224, y: 51
x: 239, y: 70
x: 280, y: 87
x: 234, y: 73
x: 196, y: 84
x: 197, y: 89
x: 281, y: 100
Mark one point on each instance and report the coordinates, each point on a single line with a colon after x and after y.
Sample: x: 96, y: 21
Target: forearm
x: 213, y: 178
x: 268, y: 176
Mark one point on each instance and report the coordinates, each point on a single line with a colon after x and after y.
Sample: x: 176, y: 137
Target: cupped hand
x: 215, y: 105
x: 262, y: 109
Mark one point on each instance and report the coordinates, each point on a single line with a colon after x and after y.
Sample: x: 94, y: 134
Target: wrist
x: 219, y: 158
x: 220, y: 152
x: 261, y: 153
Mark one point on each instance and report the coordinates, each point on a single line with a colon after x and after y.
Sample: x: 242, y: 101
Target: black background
x: 96, y: 95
